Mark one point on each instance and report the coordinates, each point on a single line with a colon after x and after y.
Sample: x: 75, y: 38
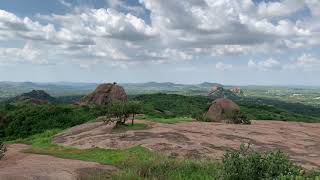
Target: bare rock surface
x: 22, y: 166
x: 105, y: 94
x: 220, y: 108
x: 205, y: 140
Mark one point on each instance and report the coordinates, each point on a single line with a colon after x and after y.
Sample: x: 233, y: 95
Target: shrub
x: 250, y: 165
x: 201, y: 117
x: 237, y: 117
x: 2, y: 150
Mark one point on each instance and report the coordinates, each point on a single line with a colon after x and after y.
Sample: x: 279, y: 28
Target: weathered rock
x: 104, y: 95
x: 220, y: 109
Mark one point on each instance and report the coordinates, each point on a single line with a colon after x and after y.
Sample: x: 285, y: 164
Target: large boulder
x: 221, y: 109
x: 105, y: 94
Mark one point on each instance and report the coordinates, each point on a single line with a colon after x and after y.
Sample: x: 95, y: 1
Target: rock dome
x: 104, y: 94
x: 220, y: 109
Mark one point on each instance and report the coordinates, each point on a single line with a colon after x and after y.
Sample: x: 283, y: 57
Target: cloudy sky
x: 239, y: 42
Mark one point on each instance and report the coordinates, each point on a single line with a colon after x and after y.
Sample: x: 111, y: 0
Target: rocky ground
x: 21, y: 166
x: 194, y: 140
x: 205, y: 140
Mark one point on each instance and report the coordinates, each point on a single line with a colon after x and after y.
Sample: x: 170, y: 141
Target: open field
x: 204, y: 140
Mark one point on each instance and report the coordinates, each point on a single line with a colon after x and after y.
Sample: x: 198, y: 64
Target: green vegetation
x: 37, y: 124
x: 173, y: 106
x: 2, y: 149
x: 250, y: 165
x: 125, y: 128
x: 270, y: 109
x: 24, y: 120
x: 119, y: 112
x: 237, y: 117
x: 20, y: 121
x: 172, y: 120
x: 140, y: 163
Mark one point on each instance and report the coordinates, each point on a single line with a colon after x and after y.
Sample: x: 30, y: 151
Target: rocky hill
x: 35, y: 97
x: 105, y: 94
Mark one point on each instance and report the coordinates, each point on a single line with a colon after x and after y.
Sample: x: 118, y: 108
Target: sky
x: 239, y: 42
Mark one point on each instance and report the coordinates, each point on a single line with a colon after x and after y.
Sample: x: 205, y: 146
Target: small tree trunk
x: 132, y: 119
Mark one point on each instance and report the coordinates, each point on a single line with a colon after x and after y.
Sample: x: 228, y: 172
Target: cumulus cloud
x: 306, y: 62
x: 281, y: 8
x: 269, y: 64
x: 178, y: 30
x: 27, y: 54
x: 222, y: 66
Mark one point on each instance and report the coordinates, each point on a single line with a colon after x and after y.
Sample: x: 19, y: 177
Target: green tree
x: 117, y: 109
x: 134, y: 107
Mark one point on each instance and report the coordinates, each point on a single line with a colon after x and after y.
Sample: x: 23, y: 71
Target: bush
x: 201, y: 117
x: 2, y: 150
x: 237, y: 117
x: 249, y: 165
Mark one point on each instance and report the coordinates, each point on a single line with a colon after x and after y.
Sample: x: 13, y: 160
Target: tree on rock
x: 119, y: 112
x: 134, y: 108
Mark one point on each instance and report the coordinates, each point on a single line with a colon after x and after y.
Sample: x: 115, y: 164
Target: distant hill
x: 12, y: 89
x: 38, y: 94
x: 58, y: 89
x: 34, y: 97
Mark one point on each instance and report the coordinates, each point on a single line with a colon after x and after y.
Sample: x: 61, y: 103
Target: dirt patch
x: 21, y: 166
x: 207, y: 140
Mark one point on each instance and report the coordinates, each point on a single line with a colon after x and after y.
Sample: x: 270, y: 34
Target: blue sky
x: 225, y: 41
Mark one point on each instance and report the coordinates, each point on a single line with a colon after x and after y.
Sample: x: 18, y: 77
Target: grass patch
x: 173, y: 120
x: 128, y: 127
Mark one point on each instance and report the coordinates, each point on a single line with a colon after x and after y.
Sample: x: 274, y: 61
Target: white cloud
x: 306, y: 62
x: 27, y: 54
x: 65, y: 3
x: 269, y: 64
x: 122, y: 5
x: 231, y: 50
x: 281, y: 8
x: 222, y: 66
x: 179, y: 30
